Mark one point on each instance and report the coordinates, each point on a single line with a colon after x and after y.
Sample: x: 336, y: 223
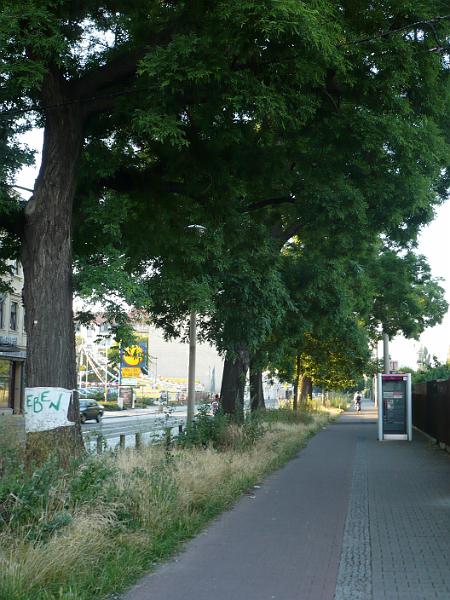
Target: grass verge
x: 94, y: 528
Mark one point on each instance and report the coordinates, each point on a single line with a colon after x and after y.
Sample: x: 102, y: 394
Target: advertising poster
x: 132, y: 359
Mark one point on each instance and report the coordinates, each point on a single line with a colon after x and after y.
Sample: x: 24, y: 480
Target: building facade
x: 12, y: 344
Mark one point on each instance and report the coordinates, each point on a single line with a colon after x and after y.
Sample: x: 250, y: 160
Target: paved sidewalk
x: 349, y: 519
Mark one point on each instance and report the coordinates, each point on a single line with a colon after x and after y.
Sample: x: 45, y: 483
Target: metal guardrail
x: 15, y: 424
x: 99, y: 441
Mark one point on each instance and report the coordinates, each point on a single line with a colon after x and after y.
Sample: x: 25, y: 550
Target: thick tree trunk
x: 256, y: 389
x: 298, y: 376
x: 47, y: 263
x: 306, y: 390
x: 233, y: 384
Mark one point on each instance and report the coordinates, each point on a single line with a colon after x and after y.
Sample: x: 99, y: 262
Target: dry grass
x: 159, y: 499
x: 67, y: 556
x: 12, y: 438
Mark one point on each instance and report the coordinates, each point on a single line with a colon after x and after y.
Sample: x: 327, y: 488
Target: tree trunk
x: 306, y: 390
x: 256, y: 389
x: 47, y: 263
x: 298, y: 376
x: 233, y: 384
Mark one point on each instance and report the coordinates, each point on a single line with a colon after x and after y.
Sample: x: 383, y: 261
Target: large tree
x: 406, y: 297
x: 151, y: 96
x: 339, y: 306
x: 365, y: 158
x: 75, y: 66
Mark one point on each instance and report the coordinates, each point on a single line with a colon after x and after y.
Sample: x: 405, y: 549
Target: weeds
x: 206, y: 430
x: 220, y: 432
x: 83, y: 532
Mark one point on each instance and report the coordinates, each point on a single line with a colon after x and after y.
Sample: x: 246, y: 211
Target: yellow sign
x: 131, y: 372
x: 133, y: 355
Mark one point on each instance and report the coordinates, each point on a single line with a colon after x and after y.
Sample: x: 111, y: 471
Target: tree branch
x: 116, y: 70
x: 92, y: 88
x: 13, y: 221
x: 283, y: 235
x: 271, y: 202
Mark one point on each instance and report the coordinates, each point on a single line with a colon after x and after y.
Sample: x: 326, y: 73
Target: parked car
x: 90, y: 409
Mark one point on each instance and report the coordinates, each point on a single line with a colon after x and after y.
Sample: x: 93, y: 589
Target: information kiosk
x: 394, y: 406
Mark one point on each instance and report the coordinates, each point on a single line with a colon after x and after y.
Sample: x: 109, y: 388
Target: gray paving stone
x: 354, y: 578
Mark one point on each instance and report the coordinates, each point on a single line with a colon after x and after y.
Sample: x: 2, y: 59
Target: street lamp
x: 155, y: 371
x: 192, y: 351
x: 191, y: 371
x: 386, y: 362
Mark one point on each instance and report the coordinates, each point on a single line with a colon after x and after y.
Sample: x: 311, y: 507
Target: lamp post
x: 191, y: 371
x: 386, y: 365
x: 192, y: 351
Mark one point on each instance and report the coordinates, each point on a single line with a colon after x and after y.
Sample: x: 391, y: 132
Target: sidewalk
x: 350, y: 518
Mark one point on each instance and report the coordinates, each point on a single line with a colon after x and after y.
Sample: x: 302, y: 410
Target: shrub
x: 206, y: 430
x: 111, y: 405
x: 37, y: 505
x: 221, y: 432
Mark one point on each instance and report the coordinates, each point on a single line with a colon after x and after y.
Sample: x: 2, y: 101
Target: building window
x: 2, y: 311
x: 5, y: 382
x: 13, y: 316
x: 15, y: 268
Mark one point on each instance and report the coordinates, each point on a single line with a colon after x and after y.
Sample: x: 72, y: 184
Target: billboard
x: 132, y: 359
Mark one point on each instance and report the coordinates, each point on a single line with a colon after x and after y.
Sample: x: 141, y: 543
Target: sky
x: 434, y: 243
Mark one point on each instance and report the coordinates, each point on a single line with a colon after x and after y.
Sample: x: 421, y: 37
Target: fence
x: 431, y: 409
x: 102, y: 442
x: 134, y: 437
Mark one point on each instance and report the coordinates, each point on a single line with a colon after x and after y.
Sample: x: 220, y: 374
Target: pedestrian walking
x: 215, y: 404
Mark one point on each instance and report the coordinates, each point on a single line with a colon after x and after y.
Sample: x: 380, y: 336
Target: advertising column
x: 394, y: 407
x: 132, y: 360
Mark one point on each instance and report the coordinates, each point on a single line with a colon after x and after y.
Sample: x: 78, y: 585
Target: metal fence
x: 431, y: 409
x: 97, y: 442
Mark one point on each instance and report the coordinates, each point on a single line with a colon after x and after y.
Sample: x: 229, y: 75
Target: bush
x: 37, y: 505
x: 144, y: 402
x: 111, y: 406
x: 206, y: 430
x: 97, y: 395
x: 431, y: 374
x: 220, y: 432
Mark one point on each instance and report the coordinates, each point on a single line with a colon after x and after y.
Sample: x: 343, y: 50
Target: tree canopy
x: 257, y: 121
